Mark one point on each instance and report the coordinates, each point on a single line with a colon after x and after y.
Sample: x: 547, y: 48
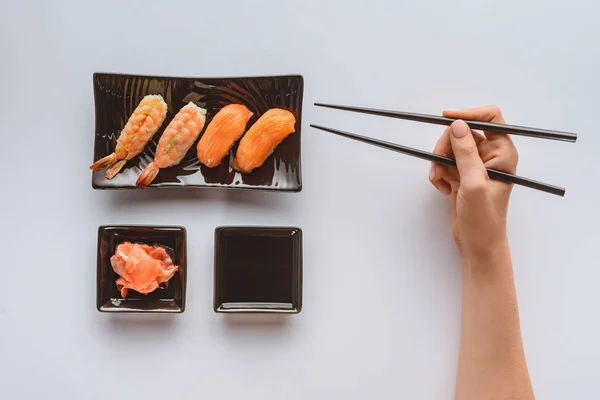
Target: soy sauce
x: 258, y: 265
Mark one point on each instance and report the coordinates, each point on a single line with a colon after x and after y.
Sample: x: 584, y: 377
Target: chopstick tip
x: 322, y: 128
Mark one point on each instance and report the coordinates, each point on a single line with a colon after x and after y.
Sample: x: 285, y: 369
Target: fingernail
x: 459, y: 129
x: 432, y: 172
x: 445, y: 189
x: 454, y: 185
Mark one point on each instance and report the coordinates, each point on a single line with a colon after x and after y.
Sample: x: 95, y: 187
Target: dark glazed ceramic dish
x: 258, y: 269
x: 116, y: 96
x: 168, y: 300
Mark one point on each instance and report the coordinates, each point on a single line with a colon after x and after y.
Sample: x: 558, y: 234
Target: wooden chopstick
x: 492, y: 173
x: 484, y: 126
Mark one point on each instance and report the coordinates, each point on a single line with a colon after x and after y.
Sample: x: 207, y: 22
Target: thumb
x: 470, y: 166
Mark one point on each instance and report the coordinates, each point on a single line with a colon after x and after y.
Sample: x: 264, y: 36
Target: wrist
x: 491, y: 258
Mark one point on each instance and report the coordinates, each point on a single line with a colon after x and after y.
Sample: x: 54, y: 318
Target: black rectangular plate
x: 168, y: 300
x: 117, y: 95
x: 258, y: 269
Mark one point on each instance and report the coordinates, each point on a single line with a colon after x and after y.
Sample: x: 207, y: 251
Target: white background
x: 382, y: 278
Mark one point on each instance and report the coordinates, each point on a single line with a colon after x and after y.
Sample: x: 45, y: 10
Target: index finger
x: 484, y: 114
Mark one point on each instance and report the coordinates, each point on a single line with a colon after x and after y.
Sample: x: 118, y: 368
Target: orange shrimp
x: 175, y: 142
x: 225, y: 128
x: 262, y: 138
x: 141, y: 267
x: 141, y: 126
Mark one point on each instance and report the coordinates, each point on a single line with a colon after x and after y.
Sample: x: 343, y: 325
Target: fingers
x: 441, y: 179
x: 473, y: 175
x: 443, y: 146
x: 498, y: 150
x: 436, y: 177
x: 473, y: 153
x: 442, y: 176
x: 486, y: 114
x: 479, y: 138
x: 499, y: 154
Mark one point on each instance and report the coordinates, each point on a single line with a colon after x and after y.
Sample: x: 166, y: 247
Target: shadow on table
x: 140, y: 324
x: 253, y: 198
x: 256, y: 321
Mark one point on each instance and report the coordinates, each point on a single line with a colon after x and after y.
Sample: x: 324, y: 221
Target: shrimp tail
x: 114, y: 169
x: 147, y: 176
x: 104, y: 162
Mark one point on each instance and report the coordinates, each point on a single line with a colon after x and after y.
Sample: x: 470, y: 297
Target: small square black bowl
x: 258, y: 270
x: 170, y: 299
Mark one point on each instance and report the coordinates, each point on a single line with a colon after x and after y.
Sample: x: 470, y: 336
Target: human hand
x: 479, y: 204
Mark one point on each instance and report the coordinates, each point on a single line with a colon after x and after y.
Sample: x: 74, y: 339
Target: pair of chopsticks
x: 433, y: 119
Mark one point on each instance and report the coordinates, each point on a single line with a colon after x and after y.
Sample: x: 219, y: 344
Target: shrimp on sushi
x: 262, y: 138
x: 227, y: 126
x: 178, y: 138
x: 141, y: 126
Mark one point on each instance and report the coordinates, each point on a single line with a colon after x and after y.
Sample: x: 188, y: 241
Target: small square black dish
x: 258, y: 269
x: 117, y: 95
x: 170, y: 299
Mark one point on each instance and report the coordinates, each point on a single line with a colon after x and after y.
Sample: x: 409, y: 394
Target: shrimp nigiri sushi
x: 141, y: 126
x: 178, y: 138
x: 262, y: 138
x: 225, y: 128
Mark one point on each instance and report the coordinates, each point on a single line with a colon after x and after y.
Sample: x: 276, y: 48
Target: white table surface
x: 381, y: 273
